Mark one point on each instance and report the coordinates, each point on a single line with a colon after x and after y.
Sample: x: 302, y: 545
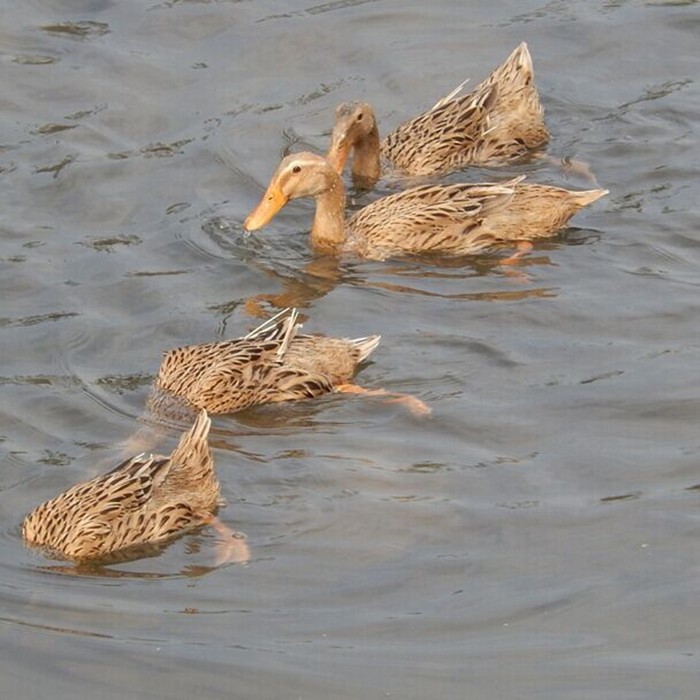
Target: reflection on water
x: 533, y: 537
x: 107, y: 569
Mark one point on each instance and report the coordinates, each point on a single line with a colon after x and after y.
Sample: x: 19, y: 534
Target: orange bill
x: 273, y: 200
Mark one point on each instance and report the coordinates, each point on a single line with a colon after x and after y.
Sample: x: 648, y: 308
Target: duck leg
x: 523, y: 248
x: 231, y: 546
x: 573, y: 166
x: 412, y: 403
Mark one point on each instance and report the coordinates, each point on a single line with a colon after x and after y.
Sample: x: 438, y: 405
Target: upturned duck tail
x: 366, y: 345
x: 195, y: 439
x: 588, y: 196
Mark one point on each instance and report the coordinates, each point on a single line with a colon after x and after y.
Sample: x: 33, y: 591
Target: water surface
x: 536, y: 537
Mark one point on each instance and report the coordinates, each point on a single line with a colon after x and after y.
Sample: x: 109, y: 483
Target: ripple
x: 56, y: 169
x: 77, y: 30
x: 107, y: 244
x: 120, y: 384
x: 40, y: 318
x: 35, y: 60
x: 157, y: 273
x: 165, y: 150
x: 537, y: 523
x: 47, y: 380
x: 48, y: 129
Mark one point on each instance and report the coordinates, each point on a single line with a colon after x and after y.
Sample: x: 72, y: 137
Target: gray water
x: 536, y: 537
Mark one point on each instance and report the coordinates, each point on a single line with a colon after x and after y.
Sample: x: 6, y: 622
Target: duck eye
x: 296, y: 169
x: 359, y: 117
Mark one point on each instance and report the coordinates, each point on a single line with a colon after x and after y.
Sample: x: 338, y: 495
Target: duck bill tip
x: 273, y: 200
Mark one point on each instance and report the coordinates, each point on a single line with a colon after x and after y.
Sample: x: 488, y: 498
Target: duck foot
x: 523, y: 248
x: 231, y: 546
x: 412, y: 403
x: 573, y: 166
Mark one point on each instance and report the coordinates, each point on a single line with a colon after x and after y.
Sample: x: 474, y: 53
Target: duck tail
x: 522, y: 58
x: 196, y: 438
x: 366, y: 346
x: 587, y: 196
x: 200, y: 428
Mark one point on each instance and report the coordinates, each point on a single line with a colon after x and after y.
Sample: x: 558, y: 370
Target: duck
x: 271, y: 364
x: 499, y: 122
x: 146, y: 500
x: 445, y: 220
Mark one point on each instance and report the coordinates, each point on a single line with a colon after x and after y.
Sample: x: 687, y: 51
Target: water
x: 536, y: 537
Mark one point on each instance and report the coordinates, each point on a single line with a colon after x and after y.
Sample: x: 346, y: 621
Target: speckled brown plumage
x: 500, y: 121
x: 145, y: 500
x: 272, y: 363
x: 457, y: 219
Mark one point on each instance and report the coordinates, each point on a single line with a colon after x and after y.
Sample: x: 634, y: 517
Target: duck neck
x: 328, y: 229
x: 366, y: 166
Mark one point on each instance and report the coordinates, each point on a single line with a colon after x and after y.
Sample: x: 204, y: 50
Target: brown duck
x: 146, y: 500
x: 457, y: 219
x: 272, y: 363
x: 500, y: 121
